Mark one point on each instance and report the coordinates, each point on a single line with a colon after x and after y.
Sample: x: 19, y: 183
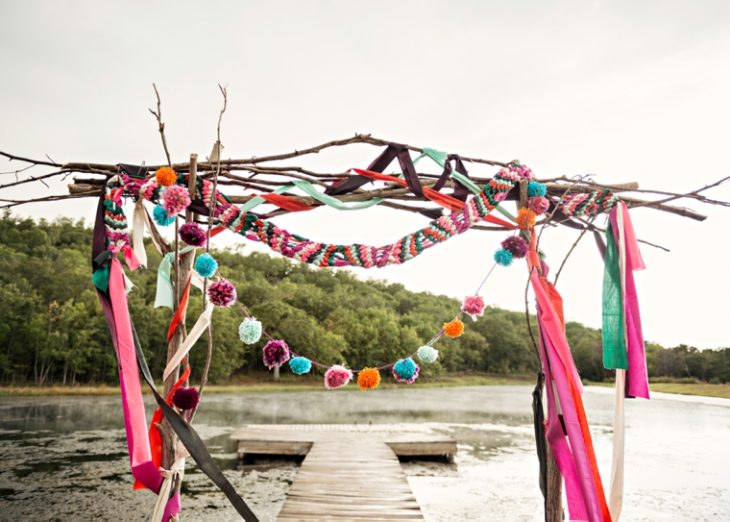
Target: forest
x: 52, y: 330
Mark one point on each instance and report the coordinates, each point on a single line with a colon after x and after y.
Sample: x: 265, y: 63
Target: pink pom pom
x: 473, y: 306
x: 222, y: 293
x: 336, y: 376
x: 516, y: 245
x: 539, y: 204
x: 175, y: 199
x: 276, y: 353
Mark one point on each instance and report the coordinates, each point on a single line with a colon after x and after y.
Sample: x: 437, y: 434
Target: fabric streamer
x: 109, y: 239
x: 138, y: 227
x: 194, y: 334
x: 570, y: 440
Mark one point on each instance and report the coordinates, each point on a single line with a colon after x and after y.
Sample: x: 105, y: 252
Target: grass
x: 255, y: 384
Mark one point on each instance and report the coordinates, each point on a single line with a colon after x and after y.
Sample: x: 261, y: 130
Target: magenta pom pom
x: 473, y: 306
x: 276, y: 353
x: 336, y: 376
x: 539, y: 205
x: 186, y: 398
x: 175, y: 199
x: 222, y: 293
x: 192, y: 234
x: 516, y: 245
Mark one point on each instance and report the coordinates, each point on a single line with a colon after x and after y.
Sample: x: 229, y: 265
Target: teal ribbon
x: 613, y: 332
x: 310, y: 190
x: 164, y: 293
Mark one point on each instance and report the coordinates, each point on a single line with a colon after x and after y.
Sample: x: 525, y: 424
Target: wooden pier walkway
x: 350, y: 472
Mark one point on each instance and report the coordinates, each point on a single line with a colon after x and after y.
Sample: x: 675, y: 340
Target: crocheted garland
x: 294, y: 246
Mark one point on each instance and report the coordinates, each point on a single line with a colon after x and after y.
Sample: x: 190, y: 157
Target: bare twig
x: 161, y: 125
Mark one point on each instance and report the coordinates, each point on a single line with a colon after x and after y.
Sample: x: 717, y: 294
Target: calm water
x: 65, y: 458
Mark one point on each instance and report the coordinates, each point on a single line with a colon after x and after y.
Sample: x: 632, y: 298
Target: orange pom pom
x: 165, y: 176
x: 526, y: 218
x: 454, y: 328
x: 368, y: 379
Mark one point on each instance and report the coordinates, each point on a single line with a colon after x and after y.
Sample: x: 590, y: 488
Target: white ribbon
x: 138, y: 224
x: 177, y: 471
x: 197, y: 330
x: 615, y: 498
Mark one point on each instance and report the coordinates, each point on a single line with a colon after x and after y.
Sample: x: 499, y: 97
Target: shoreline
x: 290, y: 385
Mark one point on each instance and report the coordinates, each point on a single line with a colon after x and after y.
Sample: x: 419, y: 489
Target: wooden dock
x: 350, y: 472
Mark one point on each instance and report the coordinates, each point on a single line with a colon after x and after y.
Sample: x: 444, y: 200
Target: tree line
x: 52, y: 330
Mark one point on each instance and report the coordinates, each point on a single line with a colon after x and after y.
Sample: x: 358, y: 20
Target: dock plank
x: 350, y: 472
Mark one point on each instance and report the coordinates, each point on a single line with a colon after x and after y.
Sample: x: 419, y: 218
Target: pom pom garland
x: 336, y: 376
x: 192, y: 234
x: 175, y: 199
x: 473, y: 306
x: 222, y: 293
x: 503, y: 257
x: 427, y: 354
x: 538, y: 205
x: 300, y: 365
x: 165, y: 176
x: 276, y: 352
x: 406, y: 370
x: 368, y: 379
x: 526, y: 218
x: 206, y: 266
x: 454, y: 328
x: 186, y: 398
x: 161, y: 217
x: 536, y: 189
x: 516, y: 246
x: 250, y: 330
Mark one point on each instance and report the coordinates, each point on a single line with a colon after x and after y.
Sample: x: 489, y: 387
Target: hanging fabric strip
x: 538, y: 422
x: 568, y: 394
x: 179, y: 316
x: 637, y: 380
x: 195, y: 332
x: 615, y: 498
x: 613, y: 331
x: 138, y: 226
x: 164, y: 294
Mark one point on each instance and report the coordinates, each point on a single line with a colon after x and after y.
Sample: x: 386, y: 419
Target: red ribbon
x: 180, y: 314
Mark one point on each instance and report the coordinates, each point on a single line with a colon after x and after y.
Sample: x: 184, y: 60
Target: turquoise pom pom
x: 161, y: 217
x: 300, y: 365
x: 206, y: 266
x: 427, y: 354
x: 249, y: 330
x: 536, y: 189
x: 406, y: 370
x: 503, y: 257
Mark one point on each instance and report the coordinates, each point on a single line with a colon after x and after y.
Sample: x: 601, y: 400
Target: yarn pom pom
x: 161, y: 217
x: 503, y: 257
x: 516, y: 246
x: 454, y: 328
x: 186, y: 398
x: 368, y: 379
x: 300, y: 365
x: 222, y: 293
x: 276, y: 352
x: 473, y: 306
x: 206, y: 266
x: 192, y: 234
x: 406, y: 370
x: 427, y: 354
x: 522, y: 170
x: 536, y: 189
x: 539, y: 205
x: 526, y: 218
x: 165, y: 176
x: 249, y: 330
x: 175, y: 199
x: 336, y: 376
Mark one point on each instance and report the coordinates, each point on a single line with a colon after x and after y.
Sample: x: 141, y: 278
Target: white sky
x: 626, y: 91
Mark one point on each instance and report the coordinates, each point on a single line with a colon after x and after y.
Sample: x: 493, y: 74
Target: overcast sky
x: 625, y: 91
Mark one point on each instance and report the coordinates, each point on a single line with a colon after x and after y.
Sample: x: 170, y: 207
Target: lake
x: 64, y: 458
